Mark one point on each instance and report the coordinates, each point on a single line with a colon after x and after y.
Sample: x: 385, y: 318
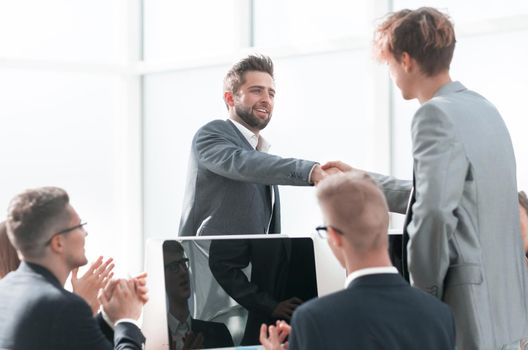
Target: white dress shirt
x: 178, y: 329
x: 256, y: 141
x: 369, y: 271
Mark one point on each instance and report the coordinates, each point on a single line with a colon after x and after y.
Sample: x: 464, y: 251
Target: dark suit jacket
x: 215, y: 334
x: 281, y: 268
x: 227, y: 188
x: 379, y: 311
x: 37, y: 313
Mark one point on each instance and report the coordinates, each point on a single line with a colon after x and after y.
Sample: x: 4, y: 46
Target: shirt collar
x: 176, y: 326
x: 369, y: 271
x: 256, y: 141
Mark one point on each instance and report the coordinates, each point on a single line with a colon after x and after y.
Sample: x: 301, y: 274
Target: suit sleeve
x: 396, y: 191
x: 440, y: 169
x: 305, y: 333
x: 226, y: 261
x: 216, y: 149
x: 76, y: 328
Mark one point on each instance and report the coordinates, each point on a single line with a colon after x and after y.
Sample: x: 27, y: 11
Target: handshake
x: 319, y: 172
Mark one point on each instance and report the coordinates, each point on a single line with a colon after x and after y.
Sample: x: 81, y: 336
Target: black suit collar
x: 378, y: 279
x: 27, y: 267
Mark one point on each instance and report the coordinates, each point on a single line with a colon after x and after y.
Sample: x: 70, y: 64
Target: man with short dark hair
x: 232, y: 180
x: 232, y: 189
x: 378, y: 309
x: 36, y: 311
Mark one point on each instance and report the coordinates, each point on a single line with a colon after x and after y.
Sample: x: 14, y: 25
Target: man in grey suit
x: 232, y: 189
x: 463, y: 225
x: 232, y: 180
x: 36, y: 311
x: 377, y: 309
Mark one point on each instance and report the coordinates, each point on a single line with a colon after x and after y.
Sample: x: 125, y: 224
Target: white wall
x: 103, y: 97
x: 66, y: 116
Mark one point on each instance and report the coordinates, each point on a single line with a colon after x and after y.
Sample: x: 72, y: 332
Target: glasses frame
x: 66, y: 230
x: 182, y: 263
x: 322, y: 231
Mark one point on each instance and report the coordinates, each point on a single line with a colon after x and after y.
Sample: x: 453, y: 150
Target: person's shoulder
x: 217, y: 124
x: 213, y: 129
x: 40, y: 295
x: 63, y: 301
x: 327, y: 303
x: 30, y: 283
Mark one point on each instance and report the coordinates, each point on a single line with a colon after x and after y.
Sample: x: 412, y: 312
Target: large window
x: 183, y: 30
x: 306, y: 22
x: 103, y: 97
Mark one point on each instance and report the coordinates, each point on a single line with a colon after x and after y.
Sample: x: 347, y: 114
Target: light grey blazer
x: 465, y: 245
x: 227, y: 188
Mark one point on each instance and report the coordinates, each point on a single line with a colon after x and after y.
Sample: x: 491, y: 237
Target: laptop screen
x: 219, y: 291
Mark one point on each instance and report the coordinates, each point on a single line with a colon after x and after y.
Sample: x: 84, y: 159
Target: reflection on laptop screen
x: 219, y: 291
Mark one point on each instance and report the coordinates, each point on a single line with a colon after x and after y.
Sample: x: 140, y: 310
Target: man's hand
x: 140, y: 282
x: 285, y: 308
x: 320, y: 172
x: 124, y: 301
x: 317, y: 174
x: 332, y: 171
x: 336, y: 165
x: 95, y: 278
x: 140, y: 286
x: 273, y: 337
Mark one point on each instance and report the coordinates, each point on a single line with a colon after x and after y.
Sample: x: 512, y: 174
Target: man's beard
x: 247, y: 115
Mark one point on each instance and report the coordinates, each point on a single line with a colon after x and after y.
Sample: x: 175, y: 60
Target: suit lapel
x: 243, y: 141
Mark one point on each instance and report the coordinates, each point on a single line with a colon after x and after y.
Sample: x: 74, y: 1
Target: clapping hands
x: 274, y: 337
x: 95, y: 278
x: 124, y: 298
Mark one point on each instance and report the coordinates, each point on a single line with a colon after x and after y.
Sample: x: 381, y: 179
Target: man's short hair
x: 353, y: 204
x: 426, y: 34
x: 523, y: 201
x: 253, y: 63
x: 173, y: 247
x: 34, y: 216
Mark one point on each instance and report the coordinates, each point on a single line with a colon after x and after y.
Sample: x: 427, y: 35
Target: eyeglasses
x: 322, y: 231
x: 176, y: 265
x: 69, y: 229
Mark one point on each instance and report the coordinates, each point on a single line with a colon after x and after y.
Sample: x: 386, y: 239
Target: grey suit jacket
x: 380, y: 311
x: 465, y: 246
x: 226, y: 184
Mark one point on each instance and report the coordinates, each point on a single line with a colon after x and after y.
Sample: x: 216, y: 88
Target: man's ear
x: 334, y: 238
x: 57, y: 243
x: 408, y: 63
x: 229, y: 99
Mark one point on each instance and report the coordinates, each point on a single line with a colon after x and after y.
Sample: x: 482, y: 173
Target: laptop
x: 214, y: 292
